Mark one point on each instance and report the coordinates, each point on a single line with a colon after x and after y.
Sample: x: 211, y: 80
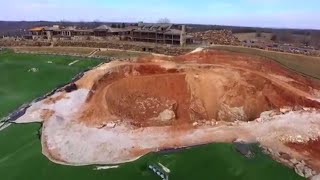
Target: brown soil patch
x: 144, y: 97
x: 206, y: 86
x: 46, y: 114
x: 311, y: 150
x: 53, y: 100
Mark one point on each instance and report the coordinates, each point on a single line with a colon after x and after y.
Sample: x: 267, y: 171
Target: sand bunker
x: 123, y: 110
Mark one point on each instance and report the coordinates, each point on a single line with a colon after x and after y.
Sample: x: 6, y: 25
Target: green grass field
x: 84, y: 51
x: 20, y: 150
x: 21, y: 158
x: 307, y: 65
x: 18, y: 86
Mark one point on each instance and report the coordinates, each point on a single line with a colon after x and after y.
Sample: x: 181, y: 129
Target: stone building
x: 105, y: 30
x: 37, y: 32
x: 159, y: 33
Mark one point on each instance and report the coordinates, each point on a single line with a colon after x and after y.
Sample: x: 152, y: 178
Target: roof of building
x: 84, y: 30
x: 131, y: 27
x: 155, y: 26
x: 40, y: 28
x: 69, y: 28
x: 165, y: 28
x: 102, y: 27
x: 53, y: 28
x: 110, y: 29
x: 173, y: 31
x: 167, y: 32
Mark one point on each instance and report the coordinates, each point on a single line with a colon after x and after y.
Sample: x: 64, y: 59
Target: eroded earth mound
x: 122, y: 110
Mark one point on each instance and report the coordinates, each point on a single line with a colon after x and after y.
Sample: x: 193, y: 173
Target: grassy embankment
x: 306, y: 65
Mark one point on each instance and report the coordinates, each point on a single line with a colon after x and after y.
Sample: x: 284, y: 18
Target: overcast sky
x: 263, y: 13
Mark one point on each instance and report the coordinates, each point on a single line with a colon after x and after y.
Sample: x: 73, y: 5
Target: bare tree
x: 164, y: 21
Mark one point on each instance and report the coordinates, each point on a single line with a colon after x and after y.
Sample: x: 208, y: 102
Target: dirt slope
x: 123, y: 110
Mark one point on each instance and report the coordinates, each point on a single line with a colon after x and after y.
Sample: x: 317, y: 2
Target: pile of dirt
x: 122, y: 110
x: 138, y: 93
x: 223, y: 37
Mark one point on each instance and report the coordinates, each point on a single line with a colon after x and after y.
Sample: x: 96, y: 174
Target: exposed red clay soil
x: 123, y: 110
x: 213, y: 85
x: 310, y: 149
x: 140, y: 98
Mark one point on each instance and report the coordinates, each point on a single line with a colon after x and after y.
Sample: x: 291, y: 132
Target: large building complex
x: 162, y: 33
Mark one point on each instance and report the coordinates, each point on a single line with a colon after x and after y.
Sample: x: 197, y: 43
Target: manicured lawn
x: 18, y: 86
x: 21, y: 158
x: 83, y: 51
x: 57, y: 50
x: 20, y: 150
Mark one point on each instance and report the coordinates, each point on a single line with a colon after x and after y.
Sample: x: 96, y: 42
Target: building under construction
x: 161, y: 33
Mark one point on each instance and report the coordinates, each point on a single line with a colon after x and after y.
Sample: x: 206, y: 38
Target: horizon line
x: 204, y: 24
